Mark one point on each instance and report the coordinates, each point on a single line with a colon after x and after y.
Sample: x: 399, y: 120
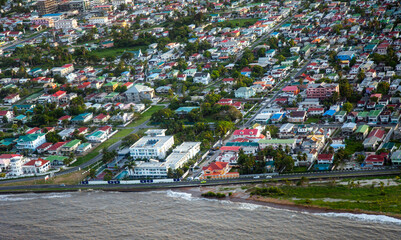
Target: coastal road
x: 242, y: 180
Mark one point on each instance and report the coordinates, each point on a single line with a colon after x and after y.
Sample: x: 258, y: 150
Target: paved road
x: 243, y: 180
x: 20, y: 41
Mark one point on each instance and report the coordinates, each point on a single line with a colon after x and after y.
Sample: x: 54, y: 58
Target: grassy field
x: 68, y: 179
x: 108, y: 52
x: 120, y: 134
x: 312, y: 120
x: 375, y: 198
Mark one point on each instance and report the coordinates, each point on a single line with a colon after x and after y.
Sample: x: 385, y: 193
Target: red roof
x: 242, y: 132
x: 66, y: 117
x: 216, y: 166
x: 35, y: 161
x: 44, y: 145
x: 2, y: 156
x: 58, y: 93
x: 230, y: 148
x: 375, y: 158
x: 327, y: 157
x: 56, y: 146
x: 240, y: 140
x: 379, y: 133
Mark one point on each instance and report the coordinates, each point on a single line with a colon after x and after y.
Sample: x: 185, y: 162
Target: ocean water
x: 174, y: 215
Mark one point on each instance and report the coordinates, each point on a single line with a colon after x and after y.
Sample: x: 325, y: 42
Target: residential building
x: 322, y: 90
x: 244, y: 92
x: 139, y: 92
x: 202, y: 77
x: 218, y: 170
x: 36, y: 166
x: 46, y: 6
x: 151, y: 147
x: 66, y: 24
x: 31, y: 141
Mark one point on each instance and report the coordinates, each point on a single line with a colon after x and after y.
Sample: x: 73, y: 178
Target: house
x: 31, y: 141
x: 275, y: 143
x: 6, y: 115
x: 340, y: 116
x: 228, y: 154
x: 11, y: 99
x: 71, y: 146
x: 151, y: 147
x: 56, y: 148
x: 101, y: 118
x: 63, y: 119
x: 83, y: 147
x: 82, y: 118
x: 139, y: 92
x: 251, y: 134
x: 291, y: 89
x: 374, y: 137
x: 297, y: 116
x: 5, y: 160
x: 244, y: 92
x: 325, y: 158
x: 36, y: 166
x: 361, y: 132
x: 396, y: 158
x: 16, y: 162
x: 97, y: 136
x: 44, y: 147
x: 202, y: 77
x: 375, y: 160
x: 218, y: 170
x: 246, y: 71
x: 322, y: 90
x: 56, y: 160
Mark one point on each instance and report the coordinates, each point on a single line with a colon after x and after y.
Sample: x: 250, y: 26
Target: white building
x: 66, y: 24
x: 31, y: 141
x: 98, y: 20
x: 16, y: 162
x: 36, y: 166
x: 179, y: 156
x: 202, y: 77
x: 151, y: 147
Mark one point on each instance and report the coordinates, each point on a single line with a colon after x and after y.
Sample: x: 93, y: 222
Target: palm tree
x: 130, y: 164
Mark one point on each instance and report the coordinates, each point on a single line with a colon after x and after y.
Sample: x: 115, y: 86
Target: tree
x: 284, y: 163
x: 347, y: 107
x: 130, y: 139
x: 92, y: 173
x: 108, y: 175
x: 383, y: 87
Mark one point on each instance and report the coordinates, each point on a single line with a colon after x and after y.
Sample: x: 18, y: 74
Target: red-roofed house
x: 66, y: 117
x: 291, y: 89
x: 57, y: 95
x: 6, y: 114
x: 44, y: 147
x: 11, y: 99
x: 248, y: 133
x: 218, y: 170
x: 228, y: 154
x: 375, y: 160
x: 374, y: 137
x: 101, y: 118
x: 56, y: 148
x: 325, y: 158
x: 229, y: 81
x: 36, y: 166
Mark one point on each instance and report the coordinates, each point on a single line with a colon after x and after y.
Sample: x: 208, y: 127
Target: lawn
x: 369, y: 198
x: 312, y: 120
x: 352, y: 146
x: 109, y: 52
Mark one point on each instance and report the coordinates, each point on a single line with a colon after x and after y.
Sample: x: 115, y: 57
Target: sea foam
x: 363, y: 217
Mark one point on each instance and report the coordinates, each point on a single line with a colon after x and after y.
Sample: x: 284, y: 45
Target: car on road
x: 62, y: 185
x: 203, y: 181
x: 268, y: 176
x: 256, y: 177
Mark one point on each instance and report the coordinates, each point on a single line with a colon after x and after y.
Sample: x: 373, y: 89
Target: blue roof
x: 277, y: 116
x: 52, y: 15
x: 329, y: 113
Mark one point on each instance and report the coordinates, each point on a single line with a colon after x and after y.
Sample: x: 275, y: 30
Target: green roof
x: 56, y: 157
x: 362, y: 129
x: 96, y: 134
x: 374, y: 113
x: 72, y: 143
x: 363, y: 114
x: 277, y: 141
x: 30, y: 137
x: 242, y: 144
x: 342, y: 113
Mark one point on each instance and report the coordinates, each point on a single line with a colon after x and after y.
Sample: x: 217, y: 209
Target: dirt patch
x: 67, y: 179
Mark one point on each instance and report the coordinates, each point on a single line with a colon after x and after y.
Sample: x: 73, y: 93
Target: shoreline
x: 241, y: 197
x: 286, y: 204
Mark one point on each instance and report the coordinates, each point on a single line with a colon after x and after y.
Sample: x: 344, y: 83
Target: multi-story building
x: 179, y: 156
x: 322, y: 90
x: 36, y: 166
x: 66, y: 24
x: 98, y: 20
x: 48, y: 22
x: 31, y: 141
x: 151, y: 147
x: 79, y: 5
x: 16, y: 162
x: 46, y: 6
x: 139, y: 92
